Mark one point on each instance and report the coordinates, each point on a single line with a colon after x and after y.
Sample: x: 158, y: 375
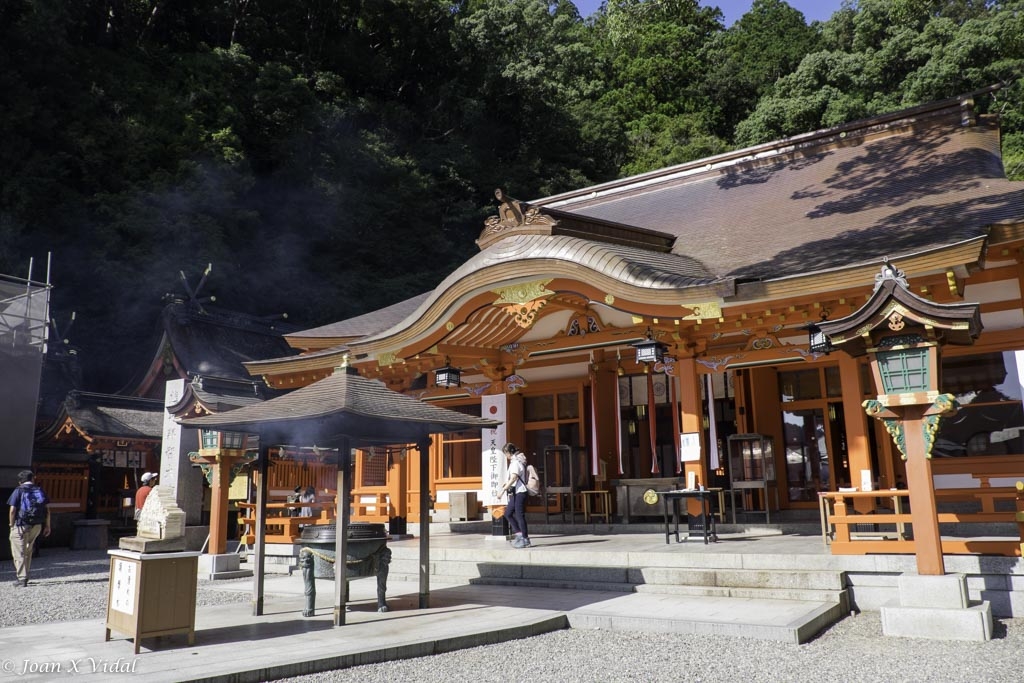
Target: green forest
x: 329, y: 157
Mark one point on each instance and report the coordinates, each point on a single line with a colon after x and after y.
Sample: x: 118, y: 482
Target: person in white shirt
x: 515, y: 487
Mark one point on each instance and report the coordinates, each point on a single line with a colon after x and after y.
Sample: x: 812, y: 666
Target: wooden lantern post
x: 903, y: 334
x: 221, y: 456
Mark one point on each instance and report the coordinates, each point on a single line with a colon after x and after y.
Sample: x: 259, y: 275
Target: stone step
x: 653, y: 578
x: 789, y: 621
x: 547, y: 583
x: 747, y: 578
x: 839, y: 597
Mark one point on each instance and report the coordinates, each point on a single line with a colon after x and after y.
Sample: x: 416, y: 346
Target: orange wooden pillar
x: 217, y: 469
x: 398, y: 486
x: 691, y: 420
x: 858, y: 447
x: 605, y: 388
x: 923, y: 510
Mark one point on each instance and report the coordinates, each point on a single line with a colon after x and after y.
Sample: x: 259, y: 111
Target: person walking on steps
x: 515, y: 487
x: 29, y: 516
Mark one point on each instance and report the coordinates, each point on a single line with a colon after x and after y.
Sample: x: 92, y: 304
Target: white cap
x: 148, y: 477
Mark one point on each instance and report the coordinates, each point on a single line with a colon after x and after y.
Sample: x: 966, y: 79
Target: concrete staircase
x: 786, y: 605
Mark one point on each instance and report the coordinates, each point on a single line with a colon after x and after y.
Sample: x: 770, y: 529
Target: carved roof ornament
x: 524, y: 301
x: 513, y: 215
x: 709, y: 310
x: 890, y: 272
x: 523, y: 293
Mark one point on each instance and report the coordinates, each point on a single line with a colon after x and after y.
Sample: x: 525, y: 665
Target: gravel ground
x: 71, y: 585
x: 68, y: 585
x: 854, y: 650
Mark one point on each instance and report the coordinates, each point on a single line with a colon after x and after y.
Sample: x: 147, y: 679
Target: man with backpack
x: 29, y: 516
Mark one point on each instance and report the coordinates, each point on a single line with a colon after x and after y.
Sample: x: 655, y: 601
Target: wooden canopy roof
x: 343, y: 406
x: 953, y: 323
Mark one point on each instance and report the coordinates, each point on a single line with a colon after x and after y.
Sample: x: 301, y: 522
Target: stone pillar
x: 177, y: 473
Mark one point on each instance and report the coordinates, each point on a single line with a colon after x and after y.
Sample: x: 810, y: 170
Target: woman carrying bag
x: 515, y: 487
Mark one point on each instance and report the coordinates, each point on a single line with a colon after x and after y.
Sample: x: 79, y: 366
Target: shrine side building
x: 722, y: 264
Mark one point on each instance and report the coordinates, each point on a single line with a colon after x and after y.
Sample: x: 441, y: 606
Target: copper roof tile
x: 907, y: 187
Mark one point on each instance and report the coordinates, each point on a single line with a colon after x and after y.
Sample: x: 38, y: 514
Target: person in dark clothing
x: 27, y: 499
x: 515, y: 487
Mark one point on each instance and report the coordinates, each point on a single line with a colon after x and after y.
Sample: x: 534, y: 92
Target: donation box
x: 152, y: 594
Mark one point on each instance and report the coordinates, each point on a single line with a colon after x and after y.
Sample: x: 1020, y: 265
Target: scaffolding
x: 24, y: 331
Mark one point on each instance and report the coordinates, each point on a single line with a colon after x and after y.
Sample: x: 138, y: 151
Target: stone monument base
x: 91, y: 534
x: 140, y: 544
x: 936, y: 607
x: 196, y: 537
x: 225, y: 566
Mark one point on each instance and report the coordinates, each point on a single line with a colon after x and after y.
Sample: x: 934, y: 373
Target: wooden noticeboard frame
x: 152, y: 594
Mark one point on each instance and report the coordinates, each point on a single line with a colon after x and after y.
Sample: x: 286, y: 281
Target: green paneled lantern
x: 902, y: 334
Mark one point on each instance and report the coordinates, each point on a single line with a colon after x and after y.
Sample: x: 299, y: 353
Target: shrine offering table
x: 703, y: 523
x: 152, y: 594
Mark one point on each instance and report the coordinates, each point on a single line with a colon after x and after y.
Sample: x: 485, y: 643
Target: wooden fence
x: 890, y: 530
x: 66, y: 485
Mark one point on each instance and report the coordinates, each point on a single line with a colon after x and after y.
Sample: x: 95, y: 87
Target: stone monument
x: 178, y: 473
x: 161, y: 525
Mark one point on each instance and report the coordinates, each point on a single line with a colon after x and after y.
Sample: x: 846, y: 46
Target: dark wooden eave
x: 108, y: 416
x: 958, y: 323
x: 343, y: 405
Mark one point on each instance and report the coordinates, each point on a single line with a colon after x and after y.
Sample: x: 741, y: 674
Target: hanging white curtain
x: 713, y: 462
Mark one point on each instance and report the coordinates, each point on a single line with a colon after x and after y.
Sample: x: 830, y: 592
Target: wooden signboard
x: 152, y: 594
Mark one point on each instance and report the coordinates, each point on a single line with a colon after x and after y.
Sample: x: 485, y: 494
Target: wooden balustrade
x: 280, y: 525
x: 67, y: 489
x: 891, y: 532
x: 367, y: 506
x: 370, y: 506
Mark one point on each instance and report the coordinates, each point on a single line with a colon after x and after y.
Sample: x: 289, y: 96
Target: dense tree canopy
x: 329, y: 157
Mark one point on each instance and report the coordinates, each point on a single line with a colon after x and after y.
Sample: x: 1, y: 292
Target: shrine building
x: 624, y: 332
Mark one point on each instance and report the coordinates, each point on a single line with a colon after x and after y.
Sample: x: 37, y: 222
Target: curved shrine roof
x: 215, y: 342
x: 111, y: 416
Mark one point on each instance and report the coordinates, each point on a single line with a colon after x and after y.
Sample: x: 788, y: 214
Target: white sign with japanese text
x: 493, y: 464
x: 689, y: 447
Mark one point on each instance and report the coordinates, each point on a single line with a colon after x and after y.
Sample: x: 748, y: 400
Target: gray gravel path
x: 68, y: 585
x: 71, y: 585
x: 852, y: 650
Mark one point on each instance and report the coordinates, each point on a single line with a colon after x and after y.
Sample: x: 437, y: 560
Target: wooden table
x: 704, y: 496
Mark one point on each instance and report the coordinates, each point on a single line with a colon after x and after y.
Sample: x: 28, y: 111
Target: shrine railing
x: 65, y: 485
x: 888, y: 528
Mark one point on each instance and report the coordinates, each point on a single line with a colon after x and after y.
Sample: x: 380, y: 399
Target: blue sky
x: 734, y: 9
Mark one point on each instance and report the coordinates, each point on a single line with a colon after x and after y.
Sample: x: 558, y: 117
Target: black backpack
x: 32, y: 507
